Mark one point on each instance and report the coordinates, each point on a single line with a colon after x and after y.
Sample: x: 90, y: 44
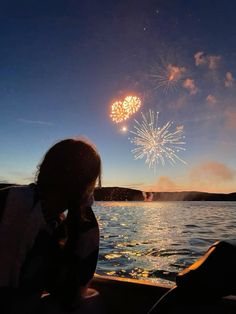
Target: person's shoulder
x: 5, y: 188
x: 16, y: 188
x: 17, y: 191
x: 9, y: 186
x: 5, y: 191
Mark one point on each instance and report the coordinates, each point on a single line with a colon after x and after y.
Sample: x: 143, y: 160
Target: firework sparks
x: 122, y: 110
x: 132, y: 104
x: 118, y: 112
x: 167, y: 77
x: 124, y: 129
x: 157, y: 144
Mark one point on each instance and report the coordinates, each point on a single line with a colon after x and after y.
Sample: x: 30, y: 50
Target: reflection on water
x: 155, y: 240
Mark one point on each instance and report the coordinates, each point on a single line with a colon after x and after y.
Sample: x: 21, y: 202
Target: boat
x: 123, y: 295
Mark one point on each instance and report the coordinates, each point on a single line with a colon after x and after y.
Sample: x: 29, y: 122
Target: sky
x: 64, y: 63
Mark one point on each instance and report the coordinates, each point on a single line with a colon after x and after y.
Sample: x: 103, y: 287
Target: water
x: 156, y: 240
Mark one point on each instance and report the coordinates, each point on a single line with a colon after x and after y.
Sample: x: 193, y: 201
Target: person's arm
x: 78, y: 259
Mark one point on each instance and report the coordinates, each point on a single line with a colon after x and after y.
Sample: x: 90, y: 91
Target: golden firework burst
x: 118, y: 112
x: 132, y: 104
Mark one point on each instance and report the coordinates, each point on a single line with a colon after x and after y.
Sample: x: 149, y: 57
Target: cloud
x: 180, y: 102
x: 179, y: 127
x: 175, y: 73
x: 3, y: 180
x: 212, y: 62
x: 211, y: 99
x: 133, y: 185
x: 212, y: 176
x: 229, y: 79
x: 164, y: 184
x: 200, y: 58
x: 202, y: 118
x: 189, y: 84
x: 212, y: 171
x: 39, y: 122
x: 230, y: 119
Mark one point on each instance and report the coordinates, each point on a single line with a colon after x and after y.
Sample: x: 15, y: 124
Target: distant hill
x: 117, y: 194
x: 123, y: 194
x: 126, y: 194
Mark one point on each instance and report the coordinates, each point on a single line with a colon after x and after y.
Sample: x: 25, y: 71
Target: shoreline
x: 128, y: 194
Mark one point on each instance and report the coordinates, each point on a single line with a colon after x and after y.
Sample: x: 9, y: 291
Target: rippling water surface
x: 155, y: 240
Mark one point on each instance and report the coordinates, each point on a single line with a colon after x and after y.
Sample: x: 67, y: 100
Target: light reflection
x: 135, y: 250
x: 152, y: 240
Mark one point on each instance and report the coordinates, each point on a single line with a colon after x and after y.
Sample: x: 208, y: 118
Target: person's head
x: 71, y: 169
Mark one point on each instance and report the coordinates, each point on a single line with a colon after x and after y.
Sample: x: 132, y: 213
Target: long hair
x: 71, y: 166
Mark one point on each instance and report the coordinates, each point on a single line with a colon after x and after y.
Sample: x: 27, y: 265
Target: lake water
x: 155, y: 240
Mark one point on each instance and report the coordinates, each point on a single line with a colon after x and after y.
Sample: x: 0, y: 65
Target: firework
x: 157, y: 144
x: 167, y: 77
x: 131, y: 104
x: 124, y: 129
x: 121, y: 110
x: 118, y: 112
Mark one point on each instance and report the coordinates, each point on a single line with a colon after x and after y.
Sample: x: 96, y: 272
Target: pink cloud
x: 175, y: 73
x: 190, y: 85
x: 230, y: 119
x: 211, y: 99
x: 180, y: 102
x: 164, y: 184
x: 180, y: 127
x: 200, y: 58
x: 229, y: 79
x: 211, y: 171
x: 212, y: 62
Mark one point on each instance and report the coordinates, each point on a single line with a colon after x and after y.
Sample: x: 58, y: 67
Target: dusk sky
x: 63, y: 64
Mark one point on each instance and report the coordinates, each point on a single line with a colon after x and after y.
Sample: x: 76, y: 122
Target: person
x: 49, y: 235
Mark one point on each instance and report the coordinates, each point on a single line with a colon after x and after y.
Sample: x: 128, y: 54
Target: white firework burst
x: 157, y: 144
